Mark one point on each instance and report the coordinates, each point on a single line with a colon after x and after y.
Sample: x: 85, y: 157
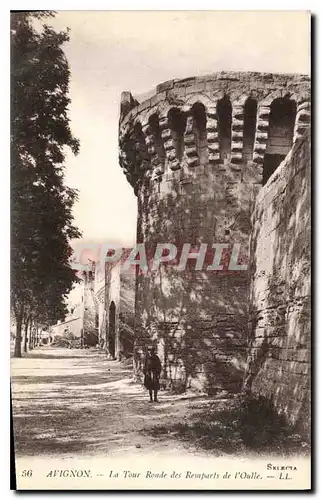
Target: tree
x: 41, y: 204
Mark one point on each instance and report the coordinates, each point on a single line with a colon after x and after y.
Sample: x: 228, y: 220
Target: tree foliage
x: 41, y: 203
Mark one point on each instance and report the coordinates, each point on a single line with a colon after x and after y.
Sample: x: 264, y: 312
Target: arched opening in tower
x: 280, y: 135
x: 157, y: 135
x: 177, y: 125
x: 199, y: 130
x: 112, y: 330
x: 250, y: 110
x: 141, y: 153
x: 224, y: 120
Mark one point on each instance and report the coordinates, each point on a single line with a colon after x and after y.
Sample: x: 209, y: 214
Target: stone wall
x: 280, y: 326
x: 126, y: 313
x: 196, y: 318
x: 119, y: 310
x: 195, y: 156
x: 73, y: 325
x: 90, y: 318
x: 74, y: 321
x: 100, y: 293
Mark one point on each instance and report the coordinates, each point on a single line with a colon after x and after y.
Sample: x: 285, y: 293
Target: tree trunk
x: 31, y: 336
x: 25, y: 343
x: 34, y: 337
x: 18, y: 340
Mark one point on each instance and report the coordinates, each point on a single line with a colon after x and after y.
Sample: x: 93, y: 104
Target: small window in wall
x: 199, y: 130
x: 156, y: 132
x: 177, y: 125
x: 224, y: 119
x: 280, y: 136
x: 250, y: 110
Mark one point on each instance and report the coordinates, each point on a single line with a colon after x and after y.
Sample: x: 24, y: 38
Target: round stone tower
x: 196, y: 154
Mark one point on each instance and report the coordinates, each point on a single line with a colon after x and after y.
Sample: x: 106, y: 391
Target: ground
x: 71, y: 402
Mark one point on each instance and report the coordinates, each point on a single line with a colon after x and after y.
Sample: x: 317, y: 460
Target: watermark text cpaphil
x: 148, y: 257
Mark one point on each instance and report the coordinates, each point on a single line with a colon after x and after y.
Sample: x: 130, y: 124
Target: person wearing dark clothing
x: 152, y: 371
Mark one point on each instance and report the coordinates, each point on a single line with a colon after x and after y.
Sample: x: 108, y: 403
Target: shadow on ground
x: 244, y: 426
x: 70, y: 404
x: 80, y: 403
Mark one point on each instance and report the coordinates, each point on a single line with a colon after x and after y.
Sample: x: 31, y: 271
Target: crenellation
x: 237, y: 132
x: 156, y: 99
x: 190, y: 145
x: 164, y: 86
x: 213, y: 157
x: 261, y: 134
x: 237, y: 124
x: 211, y: 125
x: 198, y: 87
x: 208, y: 90
x: 304, y: 115
x: 258, y: 158
x: 166, y: 133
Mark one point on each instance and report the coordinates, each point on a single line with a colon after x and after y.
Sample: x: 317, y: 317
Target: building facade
x: 116, y: 297
x: 101, y: 309
x: 81, y: 320
x: 73, y: 322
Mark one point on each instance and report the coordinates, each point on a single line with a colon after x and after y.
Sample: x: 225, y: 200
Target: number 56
x: 27, y: 473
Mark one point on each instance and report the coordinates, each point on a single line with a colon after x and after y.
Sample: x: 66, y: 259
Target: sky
x: 113, y: 51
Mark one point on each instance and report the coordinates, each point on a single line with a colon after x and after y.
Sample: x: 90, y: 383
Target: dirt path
x: 76, y: 402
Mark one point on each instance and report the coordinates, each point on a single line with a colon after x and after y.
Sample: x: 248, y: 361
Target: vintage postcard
x: 160, y: 250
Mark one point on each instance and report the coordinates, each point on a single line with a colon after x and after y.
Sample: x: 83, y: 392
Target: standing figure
x: 152, y: 371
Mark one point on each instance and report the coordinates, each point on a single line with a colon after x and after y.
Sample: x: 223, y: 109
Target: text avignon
x: 69, y: 473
